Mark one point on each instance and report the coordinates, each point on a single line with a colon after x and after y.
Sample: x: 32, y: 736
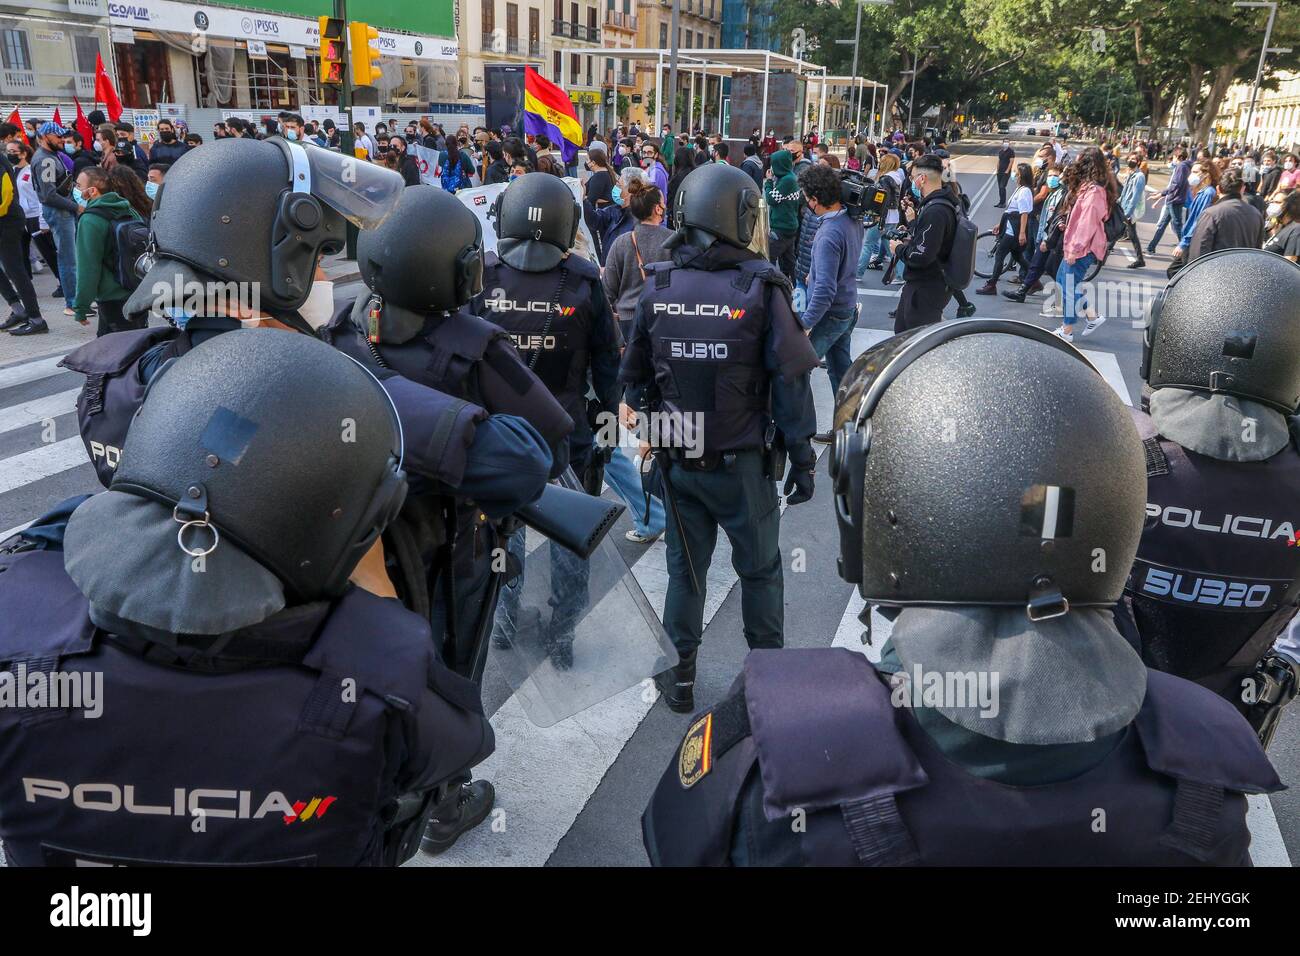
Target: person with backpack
x: 101, y: 247
x: 1091, y: 193
x: 926, y: 251
x: 830, y: 310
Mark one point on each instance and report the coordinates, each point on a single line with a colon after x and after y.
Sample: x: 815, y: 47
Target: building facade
x: 219, y: 56
x: 48, y: 50
x: 750, y: 25
x: 1277, y: 115
x: 497, y: 31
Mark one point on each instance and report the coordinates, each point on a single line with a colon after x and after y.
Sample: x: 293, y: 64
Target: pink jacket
x: 1084, y: 232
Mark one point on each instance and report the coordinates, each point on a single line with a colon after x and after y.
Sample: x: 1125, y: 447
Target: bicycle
x: 986, y: 248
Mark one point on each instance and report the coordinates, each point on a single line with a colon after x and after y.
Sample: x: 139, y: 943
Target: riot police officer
x: 1007, y: 711
x: 553, y: 305
x: 222, y: 261
x: 206, y: 594
x: 1217, y: 576
x: 422, y: 266
x: 718, y: 359
x: 237, y: 239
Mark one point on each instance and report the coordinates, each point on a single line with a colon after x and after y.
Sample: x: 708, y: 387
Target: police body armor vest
x: 285, y: 766
x: 1216, y: 574
x: 549, y: 317
x: 442, y: 356
x: 707, y: 332
x: 877, y: 791
x: 113, y: 390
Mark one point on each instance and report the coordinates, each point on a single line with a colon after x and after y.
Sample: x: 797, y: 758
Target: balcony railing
x: 575, y: 31
x: 18, y: 82
x: 534, y: 47
x: 620, y: 20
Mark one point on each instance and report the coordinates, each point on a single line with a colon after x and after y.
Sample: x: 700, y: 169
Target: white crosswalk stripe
x: 44, y: 462
x: 38, y: 410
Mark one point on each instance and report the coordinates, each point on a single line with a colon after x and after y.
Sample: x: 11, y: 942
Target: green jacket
x: 96, y: 269
x: 783, y: 195
x: 667, y: 149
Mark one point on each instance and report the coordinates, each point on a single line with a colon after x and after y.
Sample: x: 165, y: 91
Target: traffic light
x: 365, y: 58
x: 333, y: 51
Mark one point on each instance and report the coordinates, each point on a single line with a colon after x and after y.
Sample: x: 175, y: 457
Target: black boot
x: 35, y: 326
x: 13, y: 321
x: 464, y: 809
x: 1017, y: 296
x: 678, y: 685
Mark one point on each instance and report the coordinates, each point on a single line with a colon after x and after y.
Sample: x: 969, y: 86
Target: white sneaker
x: 1060, y: 333
x: 636, y: 537
x: 1093, y: 325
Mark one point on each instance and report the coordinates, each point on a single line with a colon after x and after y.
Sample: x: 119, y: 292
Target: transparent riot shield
x: 571, y: 632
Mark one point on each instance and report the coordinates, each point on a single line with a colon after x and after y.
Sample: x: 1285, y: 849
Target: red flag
x: 83, y: 127
x: 17, y: 120
x: 57, y: 121
x: 104, y: 92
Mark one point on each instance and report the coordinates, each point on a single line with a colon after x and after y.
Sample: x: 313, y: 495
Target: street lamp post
x: 857, y: 37
x: 1259, y: 70
x: 911, y: 97
x: 672, y: 70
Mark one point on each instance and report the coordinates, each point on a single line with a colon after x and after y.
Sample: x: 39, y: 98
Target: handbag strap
x: 640, y: 263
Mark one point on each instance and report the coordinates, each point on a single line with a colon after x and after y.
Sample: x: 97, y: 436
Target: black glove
x: 798, y: 485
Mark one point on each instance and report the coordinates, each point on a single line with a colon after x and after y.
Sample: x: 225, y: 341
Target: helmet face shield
x: 359, y: 191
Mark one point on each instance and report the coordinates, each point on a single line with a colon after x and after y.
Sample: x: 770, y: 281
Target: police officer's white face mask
x: 319, y: 307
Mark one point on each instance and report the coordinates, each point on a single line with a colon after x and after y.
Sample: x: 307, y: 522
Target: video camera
x: 863, y: 199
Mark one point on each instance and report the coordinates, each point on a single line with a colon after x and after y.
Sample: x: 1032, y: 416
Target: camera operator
x: 831, y: 310
x: 925, y: 292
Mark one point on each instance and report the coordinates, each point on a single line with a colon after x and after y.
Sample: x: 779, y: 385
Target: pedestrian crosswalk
x: 546, y: 778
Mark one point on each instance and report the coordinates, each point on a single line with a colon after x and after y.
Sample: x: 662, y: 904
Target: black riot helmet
x: 427, y: 256
x: 1228, y: 323
x: 720, y: 200
x: 262, y: 212
x: 536, y: 221
x: 985, y: 462
x: 275, y: 443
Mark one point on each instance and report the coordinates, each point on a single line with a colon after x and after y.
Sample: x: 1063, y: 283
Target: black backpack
x: 128, y: 240
x: 1115, y: 225
x: 959, y: 267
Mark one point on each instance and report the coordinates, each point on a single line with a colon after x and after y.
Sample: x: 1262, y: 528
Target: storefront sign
x: 193, y: 20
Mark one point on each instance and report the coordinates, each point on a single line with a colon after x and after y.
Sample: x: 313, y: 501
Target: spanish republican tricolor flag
x: 547, y: 110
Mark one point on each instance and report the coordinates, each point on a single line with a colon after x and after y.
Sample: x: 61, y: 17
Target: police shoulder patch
x: 695, y: 759
x: 710, y: 737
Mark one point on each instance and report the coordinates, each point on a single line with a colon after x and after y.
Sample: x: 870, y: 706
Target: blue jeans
x: 622, y: 475
x: 1070, y: 279
x: 1171, y: 211
x: 63, y: 226
x: 831, y: 339
x: 870, y: 249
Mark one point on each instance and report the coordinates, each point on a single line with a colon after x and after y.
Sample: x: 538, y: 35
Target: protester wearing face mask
x: 403, y: 161
x: 1284, y: 211
x: 36, y: 233
x: 168, y: 149
x: 15, y: 282
x: 82, y: 157
x: 1047, y: 239
x: 96, y: 279
x: 609, y: 222
x: 1175, y: 197
x: 668, y: 149
x: 1290, y: 176
x: 157, y: 173
x: 1132, y: 200
x: 925, y: 292
x: 654, y: 167
x: 1203, y: 180
x: 59, y: 208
